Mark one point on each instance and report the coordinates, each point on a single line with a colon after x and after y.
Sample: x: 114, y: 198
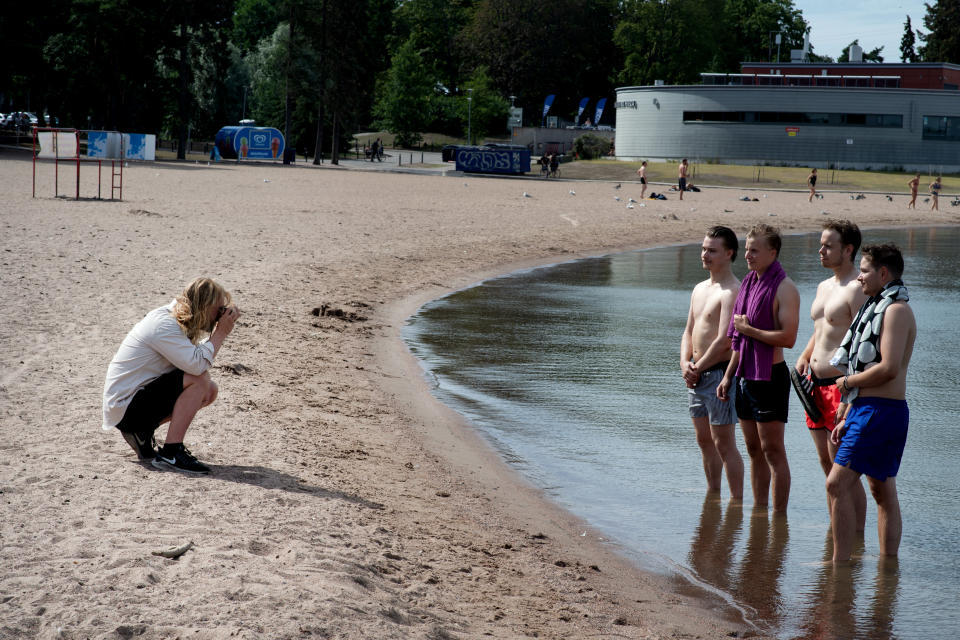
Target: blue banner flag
x: 583, y: 105
x: 601, y: 103
x: 547, y: 104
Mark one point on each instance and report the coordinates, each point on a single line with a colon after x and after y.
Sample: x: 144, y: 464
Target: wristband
x: 845, y: 387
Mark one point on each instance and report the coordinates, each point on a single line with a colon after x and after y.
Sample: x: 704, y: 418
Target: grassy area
x: 757, y: 177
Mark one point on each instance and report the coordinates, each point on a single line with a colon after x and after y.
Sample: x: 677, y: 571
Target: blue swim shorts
x: 704, y: 401
x: 876, y: 431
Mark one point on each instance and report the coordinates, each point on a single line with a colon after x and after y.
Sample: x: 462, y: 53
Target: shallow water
x: 571, y: 372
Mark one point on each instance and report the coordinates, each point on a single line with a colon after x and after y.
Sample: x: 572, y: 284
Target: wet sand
x: 345, y: 501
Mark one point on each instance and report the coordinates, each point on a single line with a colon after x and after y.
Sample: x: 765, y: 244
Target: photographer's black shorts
x: 153, y: 404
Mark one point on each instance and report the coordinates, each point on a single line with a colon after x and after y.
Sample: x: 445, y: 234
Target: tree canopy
x: 331, y: 68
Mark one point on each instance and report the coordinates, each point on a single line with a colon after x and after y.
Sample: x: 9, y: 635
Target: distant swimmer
x: 765, y: 320
x: 704, y: 356
x: 838, y: 299
x: 682, y: 177
x: 812, y: 183
x: 872, y: 432
x: 642, y: 172
x: 914, y: 187
x: 935, y: 187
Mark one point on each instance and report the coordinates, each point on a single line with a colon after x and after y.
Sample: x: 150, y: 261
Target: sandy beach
x: 345, y: 501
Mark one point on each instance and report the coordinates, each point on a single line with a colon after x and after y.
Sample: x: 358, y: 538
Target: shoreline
x: 346, y: 499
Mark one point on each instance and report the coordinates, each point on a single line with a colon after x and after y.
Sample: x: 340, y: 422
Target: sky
x: 836, y: 23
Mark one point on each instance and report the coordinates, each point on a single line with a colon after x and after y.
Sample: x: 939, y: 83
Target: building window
x: 886, y: 120
x: 941, y: 127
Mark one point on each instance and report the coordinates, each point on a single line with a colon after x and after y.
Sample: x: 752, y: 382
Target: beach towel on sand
x: 755, y: 300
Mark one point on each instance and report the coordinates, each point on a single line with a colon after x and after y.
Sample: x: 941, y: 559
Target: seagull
x: 526, y: 195
x: 617, y: 186
x: 631, y: 200
x: 572, y: 192
x: 772, y: 215
x: 926, y: 199
x: 617, y: 198
x: 629, y: 206
x: 889, y: 198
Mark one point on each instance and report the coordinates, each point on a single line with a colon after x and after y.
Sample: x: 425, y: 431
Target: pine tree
x: 907, y: 52
x: 942, y: 40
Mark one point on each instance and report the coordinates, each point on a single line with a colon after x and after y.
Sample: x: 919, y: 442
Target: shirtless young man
x: 873, y: 429
x: 837, y: 302
x: 766, y: 315
x: 914, y: 187
x: 642, y: 172
x: 682, y: 177
x: 704, y: 355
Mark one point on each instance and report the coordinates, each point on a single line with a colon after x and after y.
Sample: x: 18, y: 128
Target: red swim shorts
x: 827, y: 399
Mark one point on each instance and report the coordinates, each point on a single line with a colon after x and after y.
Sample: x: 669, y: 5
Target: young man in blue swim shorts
x: 870, y: 438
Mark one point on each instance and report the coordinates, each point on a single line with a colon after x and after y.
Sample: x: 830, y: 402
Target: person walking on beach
x: 704, y: 356
x: 764, y: 322
x: 642, y: 172
x: 682, y: 177
x: 812, y: 183
x: 914, y: 187
x: 838, y: 299
x: 935, y: 187
x: 872, y: 431
x: 160, y: 373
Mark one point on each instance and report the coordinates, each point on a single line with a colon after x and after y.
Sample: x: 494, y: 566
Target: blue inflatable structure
x: 250, y: 143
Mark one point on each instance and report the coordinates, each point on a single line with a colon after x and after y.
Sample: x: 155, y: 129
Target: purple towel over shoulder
x: 755, y: 299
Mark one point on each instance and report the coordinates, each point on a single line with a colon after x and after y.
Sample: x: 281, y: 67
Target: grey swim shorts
x: 705, y: 403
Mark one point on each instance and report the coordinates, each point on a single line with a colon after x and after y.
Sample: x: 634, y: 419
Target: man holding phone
x: 160, y: 373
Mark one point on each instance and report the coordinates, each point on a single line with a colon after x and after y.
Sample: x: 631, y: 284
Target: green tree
x: 487, y: 111
x: 941, y: 43
x: 406, y: 95
x: 650, y: 36
x: 533, y: 48
x: 907, y: 51
x: 874, y: 55
x: 254, y: 20
x: 748, y: 28
x: 434, y: 26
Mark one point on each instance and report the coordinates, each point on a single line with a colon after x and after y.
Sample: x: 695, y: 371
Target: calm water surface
x: 572, y: 373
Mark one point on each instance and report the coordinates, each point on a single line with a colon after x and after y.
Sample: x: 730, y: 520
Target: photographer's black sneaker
x: 145, y: 447
x: 176, y: 456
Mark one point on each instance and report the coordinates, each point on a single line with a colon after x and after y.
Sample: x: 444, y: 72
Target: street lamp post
x: 470, y: 117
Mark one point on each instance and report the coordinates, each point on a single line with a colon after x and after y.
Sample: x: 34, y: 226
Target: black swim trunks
x: 683, y: 184
x: 813, y: 181
x: 765, y: 400
x: 643, y: 180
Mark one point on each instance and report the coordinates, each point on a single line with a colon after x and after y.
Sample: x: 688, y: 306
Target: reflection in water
x: 758, y: 583
x: 714, y: 541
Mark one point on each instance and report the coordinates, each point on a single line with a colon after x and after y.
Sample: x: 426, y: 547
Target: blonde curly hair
x: 192, y: 307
